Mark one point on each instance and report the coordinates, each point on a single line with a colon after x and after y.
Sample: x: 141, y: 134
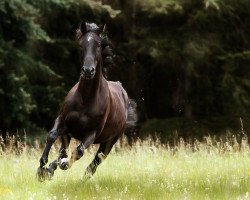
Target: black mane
x: 107, y: 52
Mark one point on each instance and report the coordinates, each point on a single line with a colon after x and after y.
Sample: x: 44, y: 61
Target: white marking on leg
x: 63, y: 160
x: 101, y: 156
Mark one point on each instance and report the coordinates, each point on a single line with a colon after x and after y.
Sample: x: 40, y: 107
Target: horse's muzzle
x: 88, y: 73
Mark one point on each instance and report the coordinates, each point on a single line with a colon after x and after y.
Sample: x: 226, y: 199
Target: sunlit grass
x: 148, y: 170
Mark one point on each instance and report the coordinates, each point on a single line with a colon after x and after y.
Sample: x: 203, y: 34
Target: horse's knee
x: 101, y: 156
x: 79, y: 152
x: 52, y: 136
x: 62, y: 154
x: 99, y: 159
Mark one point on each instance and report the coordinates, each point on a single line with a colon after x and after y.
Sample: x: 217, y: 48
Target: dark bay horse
x: 95, y: 111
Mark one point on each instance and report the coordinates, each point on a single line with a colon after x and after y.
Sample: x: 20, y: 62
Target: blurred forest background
x: 185, y: 62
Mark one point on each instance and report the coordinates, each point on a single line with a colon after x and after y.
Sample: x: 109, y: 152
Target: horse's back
x: 118, y: 94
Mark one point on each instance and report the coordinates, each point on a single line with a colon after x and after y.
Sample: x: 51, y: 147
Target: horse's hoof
x: 86, y: 177
x: 50, y: 174
x: 43, y: 174
x: 63, y: 164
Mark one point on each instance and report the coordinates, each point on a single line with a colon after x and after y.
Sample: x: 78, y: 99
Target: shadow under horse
x: 95, y: 111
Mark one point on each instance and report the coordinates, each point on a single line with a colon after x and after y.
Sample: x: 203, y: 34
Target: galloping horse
x: 95, y: 111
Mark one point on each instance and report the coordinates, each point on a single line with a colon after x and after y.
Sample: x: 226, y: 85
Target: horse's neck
x: 90, y: 89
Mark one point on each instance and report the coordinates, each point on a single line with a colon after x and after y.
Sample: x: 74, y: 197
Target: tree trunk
x: 187, y: 90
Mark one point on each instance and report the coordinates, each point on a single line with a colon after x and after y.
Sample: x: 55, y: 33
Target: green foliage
x: 37, y: 49
x: 181, y: 60
x: 189, y: 60
x: 159, y: 7
x: 18, y: 32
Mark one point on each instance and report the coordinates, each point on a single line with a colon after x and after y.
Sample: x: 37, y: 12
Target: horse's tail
x: 131, y: 113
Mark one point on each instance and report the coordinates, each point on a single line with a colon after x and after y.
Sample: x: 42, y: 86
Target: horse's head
x: 89, y: 39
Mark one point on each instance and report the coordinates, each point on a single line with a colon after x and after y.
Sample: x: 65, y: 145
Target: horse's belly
x: 111, y: 129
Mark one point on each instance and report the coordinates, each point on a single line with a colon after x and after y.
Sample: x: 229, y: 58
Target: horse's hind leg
x: 62, y: 161
x: 79, y: 151
x: 101, y: 154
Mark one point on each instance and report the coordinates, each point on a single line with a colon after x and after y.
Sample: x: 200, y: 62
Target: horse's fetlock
x: 91, y: 169
x: 64, y: 164
x: 43, y: 161
x: 53, y: 166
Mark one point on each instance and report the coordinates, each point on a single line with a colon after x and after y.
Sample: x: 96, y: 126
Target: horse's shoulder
x: 72, y: 92
x: 70, y: 100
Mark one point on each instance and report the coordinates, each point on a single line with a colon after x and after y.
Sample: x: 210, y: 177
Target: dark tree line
x: 185, y: 62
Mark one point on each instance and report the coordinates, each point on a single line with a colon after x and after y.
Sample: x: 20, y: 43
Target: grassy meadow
x: 147, y: 170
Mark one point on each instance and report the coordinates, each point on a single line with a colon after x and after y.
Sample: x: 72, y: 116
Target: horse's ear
x: 83, y: 27
x: 102, y: 29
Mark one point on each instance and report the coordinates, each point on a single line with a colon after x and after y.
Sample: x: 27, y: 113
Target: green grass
x: 210, y: 170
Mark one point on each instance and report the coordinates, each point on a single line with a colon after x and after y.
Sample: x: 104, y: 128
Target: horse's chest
x: 78, y: 122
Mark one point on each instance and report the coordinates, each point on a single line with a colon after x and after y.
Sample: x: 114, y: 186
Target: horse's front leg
x: 43, y: 172
x: 65, y: 140
x: 63, y: 152
x: 79, y: 151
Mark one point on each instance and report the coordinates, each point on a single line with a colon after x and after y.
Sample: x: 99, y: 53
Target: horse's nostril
x: 88, y: 71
